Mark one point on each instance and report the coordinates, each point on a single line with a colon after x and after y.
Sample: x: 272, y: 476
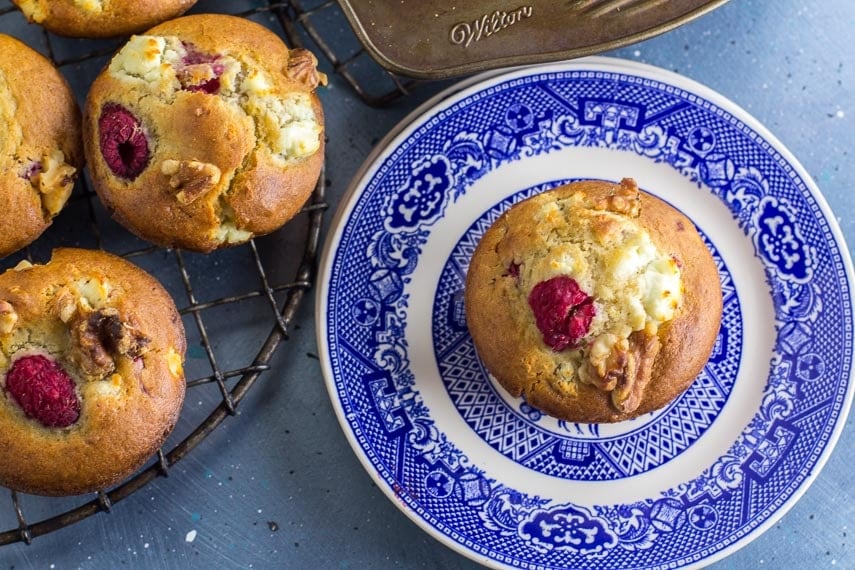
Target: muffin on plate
x: 205, y: 132
x: 40, y: 148
x: 100, y: 18
x: 91, y: 372
x: 595, y: 301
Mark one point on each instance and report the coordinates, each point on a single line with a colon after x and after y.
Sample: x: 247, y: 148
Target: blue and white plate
x: 494, y: 478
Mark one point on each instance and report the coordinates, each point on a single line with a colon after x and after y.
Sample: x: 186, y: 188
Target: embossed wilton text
x: 465, y: 33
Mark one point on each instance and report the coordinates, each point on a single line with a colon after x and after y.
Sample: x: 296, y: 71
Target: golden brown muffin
x: 91, y: 372
x: 40, y: 149
x: 595, y: 301
x: 205, y: 132
x: 100, y: 18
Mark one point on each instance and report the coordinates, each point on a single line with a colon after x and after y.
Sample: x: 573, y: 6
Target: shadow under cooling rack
x: 237, y: 304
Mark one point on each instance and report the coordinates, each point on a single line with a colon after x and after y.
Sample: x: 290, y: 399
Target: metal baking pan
x: 438, y: 40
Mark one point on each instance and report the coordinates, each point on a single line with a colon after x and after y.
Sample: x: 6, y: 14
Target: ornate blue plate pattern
x: 493, y: 477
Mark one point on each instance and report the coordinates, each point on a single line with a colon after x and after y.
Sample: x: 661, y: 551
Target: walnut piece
x: 303, y: 67
x: 624, y: 370
x: 191, y: 178
x: 625, y: 200
x: 101, y: 336
x: 629, y: 391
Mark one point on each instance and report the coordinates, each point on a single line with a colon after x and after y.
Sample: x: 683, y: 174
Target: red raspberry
x: 43, y: 390
x: 210, y: 86
x: 193, y: 56
x: 123, y: 142
x: 195, y: 59
x: 563, y: 311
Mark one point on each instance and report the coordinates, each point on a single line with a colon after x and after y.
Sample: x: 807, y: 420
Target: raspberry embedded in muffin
x: 562, y: 311
x: 44, y: 391
x: 91, y: 375
x: 124, y: 145
x: 581, y: 300
x: 205, y: 131
x: 40, y: 148
x: 199, y: 71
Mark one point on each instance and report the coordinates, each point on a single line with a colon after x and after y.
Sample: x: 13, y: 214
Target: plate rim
x: 463, y: 89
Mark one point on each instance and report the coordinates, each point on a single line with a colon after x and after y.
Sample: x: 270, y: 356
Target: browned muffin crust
x: 513, y: 350
x: 214, y: 175
x: 116, y: 332
x: 40, y: 148
x: 100, y: 18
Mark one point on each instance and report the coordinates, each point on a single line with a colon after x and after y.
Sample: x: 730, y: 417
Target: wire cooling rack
x: 253, y: 290
x: 375, y: 85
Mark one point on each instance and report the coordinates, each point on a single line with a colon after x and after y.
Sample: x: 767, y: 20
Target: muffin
x: 595, y: 301
x: 100, y: 18
x: 91, y: 372
x: 40, y: 149
x: 205, y: 132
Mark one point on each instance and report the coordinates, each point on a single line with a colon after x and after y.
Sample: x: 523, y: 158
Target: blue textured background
x: 278, y: 486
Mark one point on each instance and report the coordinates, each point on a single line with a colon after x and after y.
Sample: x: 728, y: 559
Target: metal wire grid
x: 293, y: 291
x: 375, y: 85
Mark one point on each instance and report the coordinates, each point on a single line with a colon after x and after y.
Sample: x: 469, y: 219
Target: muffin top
x: 100, y: 18
x: 585, y: 284
x: 205, y: 131
x: 40, y: 148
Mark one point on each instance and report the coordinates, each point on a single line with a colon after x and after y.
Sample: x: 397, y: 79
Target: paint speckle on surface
x: 273, y: 526
x: 195, y: 517
x: 840, y: 114
x: 191, y: 536
x: 145, y: 545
